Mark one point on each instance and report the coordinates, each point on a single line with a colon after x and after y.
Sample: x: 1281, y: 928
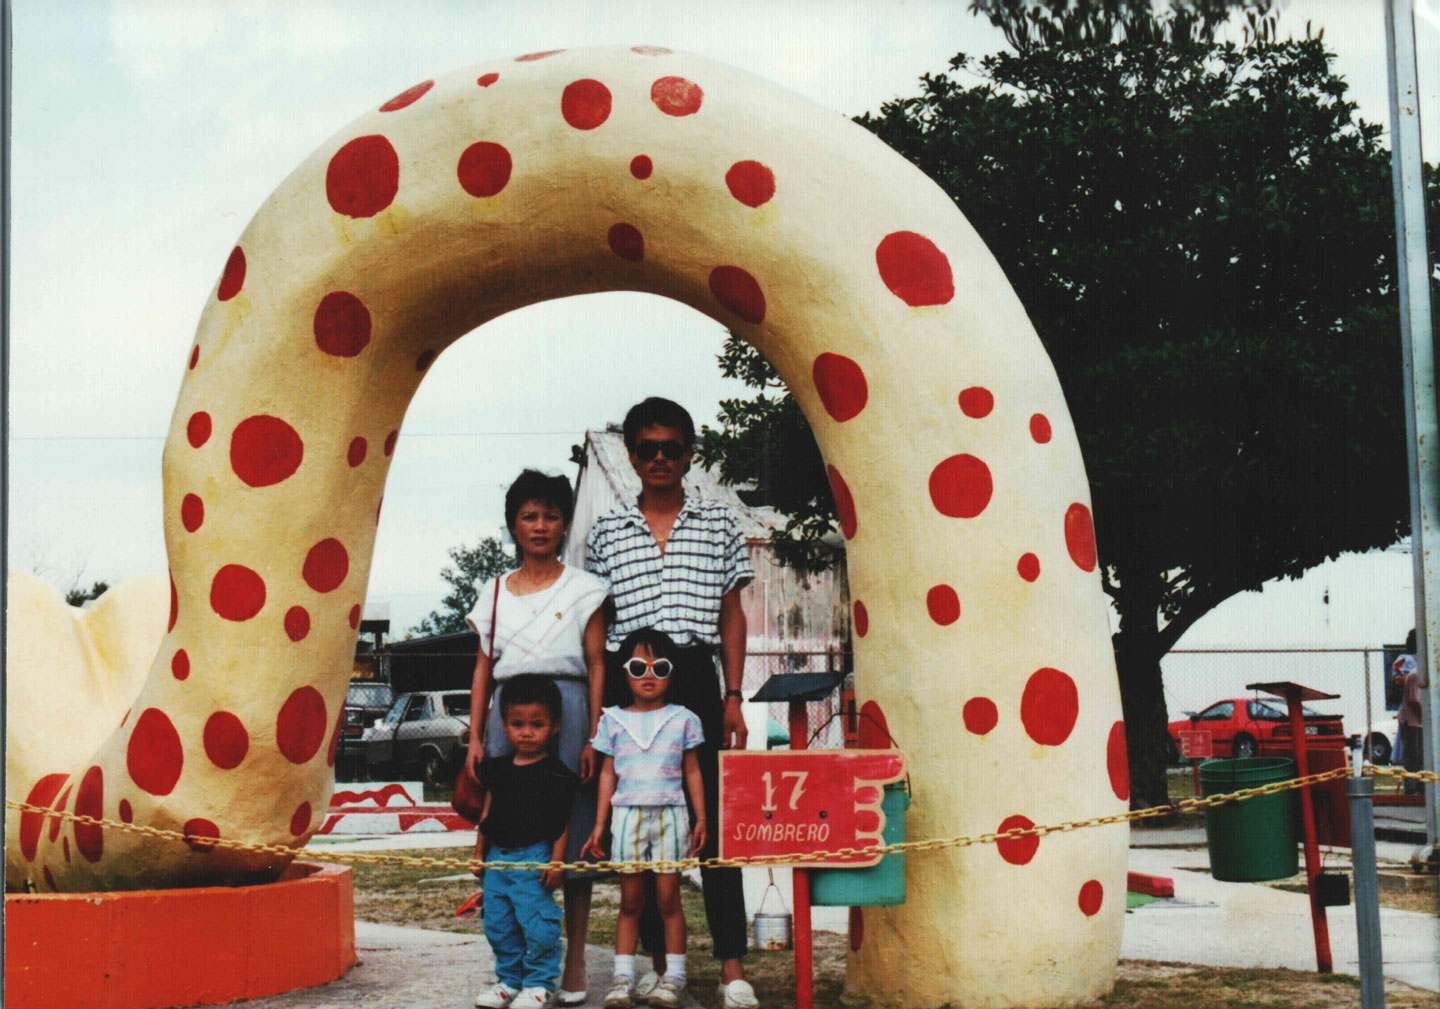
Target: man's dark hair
x: 657, y: 411
x: 661, y: 645
x: 530, y: 688
x: 532, y: 485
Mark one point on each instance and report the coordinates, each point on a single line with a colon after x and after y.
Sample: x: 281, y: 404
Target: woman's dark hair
x: 531, y: 688
x: 532, y: 485
x: 657, y: 411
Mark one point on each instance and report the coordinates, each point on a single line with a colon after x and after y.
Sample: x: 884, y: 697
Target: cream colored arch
x: 980, y: 625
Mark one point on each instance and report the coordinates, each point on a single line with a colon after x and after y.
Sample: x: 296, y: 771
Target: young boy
x: 528, y: 797
x: 649, y: 747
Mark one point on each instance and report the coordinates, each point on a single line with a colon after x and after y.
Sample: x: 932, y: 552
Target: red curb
x: 1154, y: 886
x: 148, y: 949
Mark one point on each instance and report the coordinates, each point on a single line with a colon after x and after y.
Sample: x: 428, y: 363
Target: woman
x: 547, y: 620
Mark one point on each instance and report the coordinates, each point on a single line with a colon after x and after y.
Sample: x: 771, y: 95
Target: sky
x: 146, y: 135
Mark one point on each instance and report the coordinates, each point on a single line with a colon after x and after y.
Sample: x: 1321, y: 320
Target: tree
x: 1203, y: 236
x: 77, y: 596
x: 473, y: 566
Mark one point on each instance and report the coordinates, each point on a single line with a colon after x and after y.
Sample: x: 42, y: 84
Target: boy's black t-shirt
x: 529, y: 803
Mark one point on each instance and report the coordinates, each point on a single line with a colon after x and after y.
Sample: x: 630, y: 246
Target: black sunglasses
x: 647, y: 450
x: 637, y: 668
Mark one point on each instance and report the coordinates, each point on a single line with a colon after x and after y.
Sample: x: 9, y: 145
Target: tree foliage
x: 473, y: 567
x: 1203, y: 236
x: 76, y: 596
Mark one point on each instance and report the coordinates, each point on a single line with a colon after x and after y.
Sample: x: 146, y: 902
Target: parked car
x: 422, y: 732
x: 1250, y: 726
x: 365, y: 704
x: 1381, y: 741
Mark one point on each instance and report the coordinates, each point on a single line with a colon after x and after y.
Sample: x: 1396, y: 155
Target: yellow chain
x: 838, y: 855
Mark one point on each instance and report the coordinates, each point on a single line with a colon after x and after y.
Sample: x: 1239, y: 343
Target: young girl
x: 649, y: 747
x: 525, y: 818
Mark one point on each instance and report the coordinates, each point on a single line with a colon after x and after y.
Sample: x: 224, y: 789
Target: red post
x: 804, y: 950
x: 1312, y: 849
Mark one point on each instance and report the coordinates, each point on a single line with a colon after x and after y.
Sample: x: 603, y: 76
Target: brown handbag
x: 469, y: 795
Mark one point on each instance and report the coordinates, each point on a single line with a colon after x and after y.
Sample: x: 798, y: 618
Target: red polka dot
x: 1040, y: 428
x: 42, y: 793
x: 485, y: 80
x: 1092, y: 895
x: 585, y: 104
x: 739, y: 292
x: 226, y: 741
x: 1017, y: 850
x: 841, y: 385
x: 300, y: 819
x: 127, y: 814
x: 626, y: 242
x: 192, y: 512
x: 265, y: 450
x: 980, y: 715
x: 233, y: 277
x: 750, y: 182
x: 355, y: 616
x: 675, y: 96
x: 532, y: 57
x: 154, y: 755
x: 976, y: 401
x: 1080, y: 536
x: 300, y: 726
x: 363, y: 177
x: 390, y: 441
x: 641, y: 166
x: 297, y: 623
x: 174, y: 606
x: 407, y: 97
x: 355, y: 454
x: 424, y: 359
x: 326, y: 565
x: 197, y: 429
x: 943, y: 604
x: 194, y: 356
x: 484, y: 169
x: 237, y: 593
x: 1049, y: 706
x: 180, y: 665
x: 844, y: 503
x: 960, y: 487
x: 342, y: 324
x: 1029, y: 567
x: 915, y: 270
x: 335, y: 737
x: 650, y: 50
x: 862, y: 619
x: 55, y: 821
x: 1117, y: 761
x: 198, y: 832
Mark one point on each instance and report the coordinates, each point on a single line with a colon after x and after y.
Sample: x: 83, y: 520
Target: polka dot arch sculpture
x: 980, y: 625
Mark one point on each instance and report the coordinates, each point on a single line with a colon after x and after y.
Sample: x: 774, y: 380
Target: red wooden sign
x: 793, y: 802
x: 1196, y: 743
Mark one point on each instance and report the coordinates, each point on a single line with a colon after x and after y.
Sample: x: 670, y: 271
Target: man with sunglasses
x: 677, y: 563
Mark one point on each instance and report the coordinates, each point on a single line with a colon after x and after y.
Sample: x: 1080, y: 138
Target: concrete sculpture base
x: 145, y: 949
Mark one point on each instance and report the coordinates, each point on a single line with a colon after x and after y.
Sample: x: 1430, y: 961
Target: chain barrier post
x: 1367, y: 891
x: 800, y: 883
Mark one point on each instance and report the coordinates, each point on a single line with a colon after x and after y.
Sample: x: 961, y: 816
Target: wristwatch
x: 734, y: 693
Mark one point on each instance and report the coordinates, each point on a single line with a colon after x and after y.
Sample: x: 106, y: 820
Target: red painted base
x: 1154, y: 886
x: 148, y: 949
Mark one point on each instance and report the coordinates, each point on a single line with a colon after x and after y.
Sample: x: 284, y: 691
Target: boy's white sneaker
x: 494, y: 996
x: 621, y: 994
x: 669, y: 993
x: 531, y: 998
x: 646, y: 986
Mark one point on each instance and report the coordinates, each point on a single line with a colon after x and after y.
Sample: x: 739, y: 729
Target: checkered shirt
x: 679, y: 591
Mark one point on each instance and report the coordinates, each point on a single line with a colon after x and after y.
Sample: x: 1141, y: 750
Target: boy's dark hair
x: 661, y: 645
x: 531, y: 688
x: 532, y: 485
x: 657, y: 411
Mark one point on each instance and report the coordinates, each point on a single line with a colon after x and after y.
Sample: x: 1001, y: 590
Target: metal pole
x: 1418, y: 359
x: 1367, y: 892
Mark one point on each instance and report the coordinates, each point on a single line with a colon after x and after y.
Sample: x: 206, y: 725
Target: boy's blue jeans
x: 522, y: 920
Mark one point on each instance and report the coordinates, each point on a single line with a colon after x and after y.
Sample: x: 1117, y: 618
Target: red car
x: 1250, y: 727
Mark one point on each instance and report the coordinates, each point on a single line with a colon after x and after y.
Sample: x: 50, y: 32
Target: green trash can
x: 1253, y: 839
x: 883, y: 883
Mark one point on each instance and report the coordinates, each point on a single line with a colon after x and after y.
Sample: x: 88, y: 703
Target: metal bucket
x: 772, y: 931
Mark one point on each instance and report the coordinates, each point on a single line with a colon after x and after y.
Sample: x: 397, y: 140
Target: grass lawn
x: 397, y: 895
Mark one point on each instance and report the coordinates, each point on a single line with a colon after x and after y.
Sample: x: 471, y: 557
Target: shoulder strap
x: 494, y: 606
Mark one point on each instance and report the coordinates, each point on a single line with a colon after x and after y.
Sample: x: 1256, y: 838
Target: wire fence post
x: 1367, y: 891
